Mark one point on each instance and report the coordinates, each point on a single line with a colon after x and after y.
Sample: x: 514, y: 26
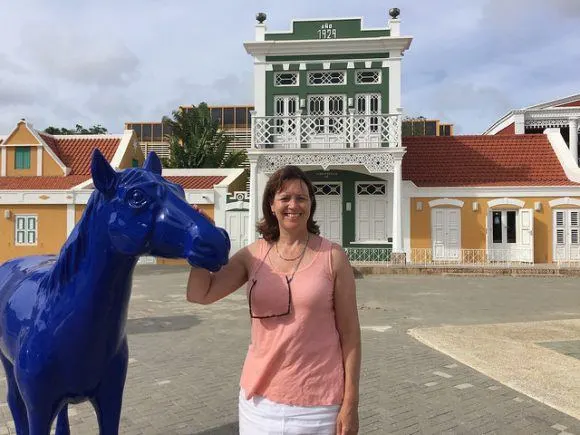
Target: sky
x: 66, y: 62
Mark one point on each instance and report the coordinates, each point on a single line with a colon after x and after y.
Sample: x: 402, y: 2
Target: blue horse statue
x: 62, y: 318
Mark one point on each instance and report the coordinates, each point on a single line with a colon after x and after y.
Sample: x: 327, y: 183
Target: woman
x: 301, y: 374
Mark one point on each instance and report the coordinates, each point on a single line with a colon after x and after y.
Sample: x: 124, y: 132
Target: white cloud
x: 70, y: 54
x: 110, y: 62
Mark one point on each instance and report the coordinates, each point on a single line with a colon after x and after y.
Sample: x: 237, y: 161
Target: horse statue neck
x: 88, y: 260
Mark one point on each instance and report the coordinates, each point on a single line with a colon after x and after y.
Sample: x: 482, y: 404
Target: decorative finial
x: 261, y: 17
x: 394, y: 13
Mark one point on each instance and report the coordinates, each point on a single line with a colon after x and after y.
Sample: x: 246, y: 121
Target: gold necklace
x: 298, y: 256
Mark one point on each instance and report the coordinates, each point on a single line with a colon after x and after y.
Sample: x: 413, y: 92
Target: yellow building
x: 486, y: 199
x: 45, y: 184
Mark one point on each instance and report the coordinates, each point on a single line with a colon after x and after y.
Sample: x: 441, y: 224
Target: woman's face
x: 291, y: 205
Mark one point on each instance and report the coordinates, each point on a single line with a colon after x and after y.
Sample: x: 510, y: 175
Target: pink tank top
x: 295, y: 359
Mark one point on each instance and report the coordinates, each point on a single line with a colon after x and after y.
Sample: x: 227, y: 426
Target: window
x: 511, y: 227
x: 327, y: 189
x: 568, y: 227
x: 321, y: 78
x: 241, y: 117
x: 371, y: 189
x: 166, y: 130
x: 371, y: 211
x: 157, y: 137
x: 229, y: 116
x: 216, y: 114
x: 137, y: 129
x: 326, y: 108
x: 286, y: 79
x: 285, y: 108
x: 497, y: 227
x: 22, y: 158
x: 368, y: 77
x: 146, y: 136
x: 26, y: 229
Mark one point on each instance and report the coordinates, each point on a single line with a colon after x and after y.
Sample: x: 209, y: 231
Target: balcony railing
x: 332, y: 131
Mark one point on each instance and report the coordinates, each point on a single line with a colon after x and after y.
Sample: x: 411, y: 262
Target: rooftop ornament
x: 394, y: 13
x: 261, y: 17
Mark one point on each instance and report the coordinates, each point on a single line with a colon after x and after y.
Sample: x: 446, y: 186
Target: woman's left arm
x: 347, y: 324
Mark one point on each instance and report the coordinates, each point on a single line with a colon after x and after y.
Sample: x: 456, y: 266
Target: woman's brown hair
x: 268, y: 225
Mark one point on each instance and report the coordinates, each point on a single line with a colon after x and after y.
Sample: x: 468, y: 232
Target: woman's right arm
x: 205, y: 287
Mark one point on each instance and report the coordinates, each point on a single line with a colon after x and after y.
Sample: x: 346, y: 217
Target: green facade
x: 327, y: 29
x: 350, y: 89
x: 348, y: 180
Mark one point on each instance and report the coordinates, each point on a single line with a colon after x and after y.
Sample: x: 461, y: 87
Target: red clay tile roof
x: 196, y: 182
x: 41, y: 183
x: 517, y: 160
x: 76, y: 153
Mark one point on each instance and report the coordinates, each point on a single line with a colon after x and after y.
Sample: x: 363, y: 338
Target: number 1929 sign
x: 327, y: 31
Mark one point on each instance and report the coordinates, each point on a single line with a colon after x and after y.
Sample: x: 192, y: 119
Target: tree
x: 79, y: 129
x: 197, y: 141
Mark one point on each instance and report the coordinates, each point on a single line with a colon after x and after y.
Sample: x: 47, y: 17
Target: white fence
x: 452, y: 258
x: 471, y: 257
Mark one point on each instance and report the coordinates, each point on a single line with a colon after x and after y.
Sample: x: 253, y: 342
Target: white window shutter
x: 363, y: 212
x: 526, y: 234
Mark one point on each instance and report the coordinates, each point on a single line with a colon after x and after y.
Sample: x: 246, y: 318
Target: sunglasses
x: 253, y: 315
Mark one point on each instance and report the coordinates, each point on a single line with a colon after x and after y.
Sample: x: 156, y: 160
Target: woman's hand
x: 347, y: 420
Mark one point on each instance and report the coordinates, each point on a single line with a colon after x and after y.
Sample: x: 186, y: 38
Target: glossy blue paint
x: 62, y: 324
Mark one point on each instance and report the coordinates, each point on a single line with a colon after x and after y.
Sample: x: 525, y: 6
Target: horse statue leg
x: 62, y: 425
x: 109, y: 396
x: 15, y: 402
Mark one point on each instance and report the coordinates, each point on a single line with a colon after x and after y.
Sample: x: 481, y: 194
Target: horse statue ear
x: 104, y: 176
x: 152, y: 163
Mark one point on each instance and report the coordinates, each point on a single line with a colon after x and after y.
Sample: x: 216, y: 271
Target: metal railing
x: 520, y: 257
x: 369, y: 256
x: 471, y: 257
x: 326, y: 131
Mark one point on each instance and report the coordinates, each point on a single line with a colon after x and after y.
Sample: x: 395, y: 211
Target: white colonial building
x: 327, y: 97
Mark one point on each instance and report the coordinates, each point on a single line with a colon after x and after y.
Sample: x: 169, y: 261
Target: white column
x: 406, y: 222
x: 395, y: 27
x: 519, y: 123
x: 254, y: 201
x: 39, y: 150
x: 395, y: 82
x: 397, y: 176
x: 260, y: 86
x: 573, y: 123
x: 219, y: 205
x: 70, y: 218
x: 3, y: 163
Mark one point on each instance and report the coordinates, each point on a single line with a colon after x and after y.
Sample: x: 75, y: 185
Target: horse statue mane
x: 62, y: 318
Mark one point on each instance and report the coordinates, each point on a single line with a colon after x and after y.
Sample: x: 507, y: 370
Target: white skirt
x: 260, y: 416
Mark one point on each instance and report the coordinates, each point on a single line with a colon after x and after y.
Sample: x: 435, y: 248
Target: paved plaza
x: 453, y: 355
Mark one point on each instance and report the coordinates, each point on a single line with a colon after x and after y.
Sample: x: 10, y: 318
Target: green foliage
x: 79, y: 129
x: 197, y: 141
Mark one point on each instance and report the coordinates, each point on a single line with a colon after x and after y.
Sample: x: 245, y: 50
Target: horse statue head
x: 146, y: 214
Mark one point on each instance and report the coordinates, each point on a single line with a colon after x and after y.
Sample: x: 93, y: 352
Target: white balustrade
x: 326, y: 131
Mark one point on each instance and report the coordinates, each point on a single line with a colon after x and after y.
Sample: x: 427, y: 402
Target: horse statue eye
x: 137, y: 198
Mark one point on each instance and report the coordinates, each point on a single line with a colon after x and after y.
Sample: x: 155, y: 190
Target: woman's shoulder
x: 256, y: 248
x: 327, y: 244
